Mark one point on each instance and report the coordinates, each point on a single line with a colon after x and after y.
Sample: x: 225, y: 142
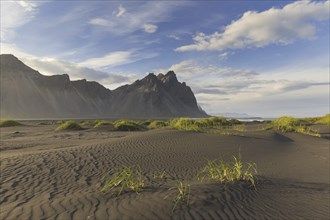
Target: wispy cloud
x: 150, y: 28
x: 259, y: 29
x: 120, y: 12
x: 143, y: 17
x: 52, y: 66
x: 175, y: 37
x: 117, y: 58
x: 15, y: 14
x: 227, y: 82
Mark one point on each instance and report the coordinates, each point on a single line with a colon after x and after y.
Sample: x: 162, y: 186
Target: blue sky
x: 263, y: 58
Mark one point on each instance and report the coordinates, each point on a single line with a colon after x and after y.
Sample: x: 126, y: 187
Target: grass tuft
x: 9, y: 123
x: 285, y: 123
x: 68, y: 125
x: 325, y: 120
x: 307, y: 130
x: 128, y: 179
x: 160, y: 175
x: 123, y: 125
x: 290, y: 124
x: 183, y: 193
x: 99, y: 123
x: 186, y: 124
x: 157, y: 124
x: 224, y: 172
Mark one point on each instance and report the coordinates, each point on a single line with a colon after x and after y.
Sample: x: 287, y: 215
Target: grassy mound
x: 325, y: 120
x: 99, y: 123
x: 9, y: 123
x: 128, y: 179
x: 285, y: 123
x: 186, y: 124
x: 123, y: 125
x: 290, y: 124
x: 202, y: 125
x: 44, y: 123
x: 306, y: 130
x: 229, y: 172
x: 157, y: 124
x: 68, y: 125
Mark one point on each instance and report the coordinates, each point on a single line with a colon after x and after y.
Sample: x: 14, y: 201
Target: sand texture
x: 58, y: 175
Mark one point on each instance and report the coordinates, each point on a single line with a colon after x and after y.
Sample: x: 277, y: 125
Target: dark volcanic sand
x: 58, y: 175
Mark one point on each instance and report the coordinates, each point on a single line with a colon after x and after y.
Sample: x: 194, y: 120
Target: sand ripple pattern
x: 65, y: 183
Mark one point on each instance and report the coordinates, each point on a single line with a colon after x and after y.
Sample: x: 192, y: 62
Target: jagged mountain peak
x: 33, y: 95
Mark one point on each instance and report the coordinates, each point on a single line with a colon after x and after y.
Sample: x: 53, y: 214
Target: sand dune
x: 58, y: 175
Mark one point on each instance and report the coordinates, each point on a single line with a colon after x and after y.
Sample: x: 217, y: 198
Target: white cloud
x: 174, y: 37
x: 150, y: 28
x: 259, y: 29
x: 121, y: 11
x: 101, y: 22
x: 15, y: 14
x: 225, y: 55
x: 189, y: 69
x: 51, y: 66
x: 142, y: 17
x: 216, y: 87
x: 117, y: 58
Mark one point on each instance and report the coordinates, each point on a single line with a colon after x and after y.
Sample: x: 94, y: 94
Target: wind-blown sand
x: 58, y: 175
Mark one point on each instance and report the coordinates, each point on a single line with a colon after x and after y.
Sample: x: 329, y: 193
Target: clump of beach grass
x: 200, y: 125
x: 124, y: 125
x: 239, y: 127
x: 9, y: 123
x: 186, y: 124
x: 306, y: 130
x: 290, y: 124
x: 182, y: 195
x: 285, y: 123
x: 128, y: 179
x: 99, y: 123
x: 225, y: 172
x: 159, y: 174
x: 68, y: 125
x: 157, y: 124
x: 325, y: 120
x: 43, y: 123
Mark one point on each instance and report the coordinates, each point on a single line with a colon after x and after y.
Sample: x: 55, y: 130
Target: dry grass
x: 9, y: 123
x: 68, y: 125
x: 224, y: 172
x: 128, y: 179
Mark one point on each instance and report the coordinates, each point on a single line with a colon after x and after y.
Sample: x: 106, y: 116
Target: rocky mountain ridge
x: 26, y: 93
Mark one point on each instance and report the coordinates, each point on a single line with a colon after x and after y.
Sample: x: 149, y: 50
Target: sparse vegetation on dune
x: 99, y: 123
x: 128, y: 179
x: 123, y: 125
x: 186, y: 124
x: 68, y: 125
x: 324, y: 120
x: 9, y: 123
x: 285, y: 123
x: 212, y: 125
x: 225, y: 172
x: 183, y: 193
x: 44, y: 123
x: 290, y: 124
x: 159, y: 175
x: 306, y: 130
x: 86, y: 123
x: 157, y: 124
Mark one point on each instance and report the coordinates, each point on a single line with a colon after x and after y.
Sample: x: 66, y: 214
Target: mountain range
x: 26, y: 93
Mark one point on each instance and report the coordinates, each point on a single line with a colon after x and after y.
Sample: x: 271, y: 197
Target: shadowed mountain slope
x: 25, y: 93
